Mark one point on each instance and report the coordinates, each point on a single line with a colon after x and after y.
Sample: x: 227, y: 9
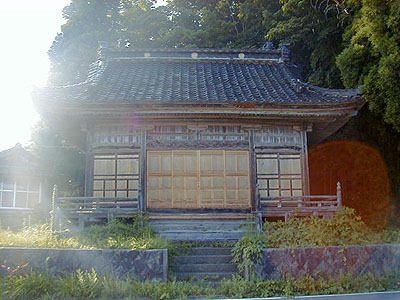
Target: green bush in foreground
x: 88, y: 285
x: 345, y: 228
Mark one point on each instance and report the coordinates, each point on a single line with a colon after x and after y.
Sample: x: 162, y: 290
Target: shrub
x: 120, y: 235
x: 248, y: 251
x: 344, y: 228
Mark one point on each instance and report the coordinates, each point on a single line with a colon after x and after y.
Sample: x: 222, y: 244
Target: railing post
x: 140, y: 206
x: 54, y: 221
x: 339, y: 194
x: 258, y: 209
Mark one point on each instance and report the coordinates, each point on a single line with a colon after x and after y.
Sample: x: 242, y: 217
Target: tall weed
x: 114, y: 235
x: 30, y: 285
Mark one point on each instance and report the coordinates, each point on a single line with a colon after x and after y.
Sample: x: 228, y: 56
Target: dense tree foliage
x: 337, y: 43
x: 63, y: 162
x: 372, y: 57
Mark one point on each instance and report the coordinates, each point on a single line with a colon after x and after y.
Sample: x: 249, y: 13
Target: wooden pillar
x: 304, y: 161
x: 253, y: 172
x: 89, y: 165
x: 143, y: 171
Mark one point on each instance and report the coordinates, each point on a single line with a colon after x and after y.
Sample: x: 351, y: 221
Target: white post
x: 54, y: 213
x: 339, y: 194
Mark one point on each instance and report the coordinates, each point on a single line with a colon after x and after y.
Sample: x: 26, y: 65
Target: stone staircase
x: 201, y: 228
x: 206, y: 264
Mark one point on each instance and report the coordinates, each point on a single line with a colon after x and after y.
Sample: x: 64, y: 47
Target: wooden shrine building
x: 196, y: 134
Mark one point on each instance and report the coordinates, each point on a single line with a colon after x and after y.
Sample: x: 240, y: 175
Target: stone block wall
x: 329, y: 261
x: 135, y: 264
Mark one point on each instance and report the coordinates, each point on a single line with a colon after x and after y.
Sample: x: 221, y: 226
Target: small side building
x: 24, y: 192
x: 196, y: 133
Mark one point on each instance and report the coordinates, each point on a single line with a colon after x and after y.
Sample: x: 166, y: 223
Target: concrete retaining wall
x: 142, y: 265
x: 329, y: 261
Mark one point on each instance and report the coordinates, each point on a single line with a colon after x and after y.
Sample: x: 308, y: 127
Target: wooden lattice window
x: 279, y: 175
x: 223, y: 133
x: 116, y: 175
x: 170, y: 133
x: 116, y: 135
x: 277, y: 135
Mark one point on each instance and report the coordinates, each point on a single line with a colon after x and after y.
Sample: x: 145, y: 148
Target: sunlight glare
x: 27, y: 29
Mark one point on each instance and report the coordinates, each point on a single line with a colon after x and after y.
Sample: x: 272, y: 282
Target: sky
x: 27, y: 29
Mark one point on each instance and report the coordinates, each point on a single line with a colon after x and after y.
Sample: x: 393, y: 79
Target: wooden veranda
x: 81, y: 210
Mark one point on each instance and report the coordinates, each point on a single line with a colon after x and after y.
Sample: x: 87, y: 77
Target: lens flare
x: 362, y: 172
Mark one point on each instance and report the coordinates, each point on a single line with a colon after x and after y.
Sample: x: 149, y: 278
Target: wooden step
x: 203, y: 259
x: 209, y: 264
x: 226, y: 229
x: 199, y: 251
x: 221, y: 216
x: 206, y: 267
x: 196, y: 236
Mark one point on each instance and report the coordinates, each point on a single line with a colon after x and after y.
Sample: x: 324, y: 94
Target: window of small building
x: 279, y: 175
x: 22, y: 193
x: 116, y: 175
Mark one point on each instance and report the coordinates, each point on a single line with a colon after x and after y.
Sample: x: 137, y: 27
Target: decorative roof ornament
x: 123, y: 43
x: 269, y: 45
x: 103, y: 44
x: 103, y: 47
x: 285, y: 52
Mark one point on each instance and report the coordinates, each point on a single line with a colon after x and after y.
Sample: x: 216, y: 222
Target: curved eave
x: 151, y: 109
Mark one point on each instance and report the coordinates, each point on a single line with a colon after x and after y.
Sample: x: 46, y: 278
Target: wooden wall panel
x: 200, y: 179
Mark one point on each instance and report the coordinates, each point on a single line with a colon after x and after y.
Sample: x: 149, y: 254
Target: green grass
x: 114, y: 235
x: 88, y: 285
x: 37, y: 236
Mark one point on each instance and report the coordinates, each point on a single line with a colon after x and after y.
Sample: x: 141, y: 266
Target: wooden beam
x: 195, y: 144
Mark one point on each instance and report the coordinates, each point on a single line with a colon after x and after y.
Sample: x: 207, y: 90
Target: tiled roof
x: 195, y: 76
x: 18, y: 160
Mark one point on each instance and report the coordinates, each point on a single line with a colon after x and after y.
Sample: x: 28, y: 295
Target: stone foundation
x: 141, y: 265
x: 329, y: 261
